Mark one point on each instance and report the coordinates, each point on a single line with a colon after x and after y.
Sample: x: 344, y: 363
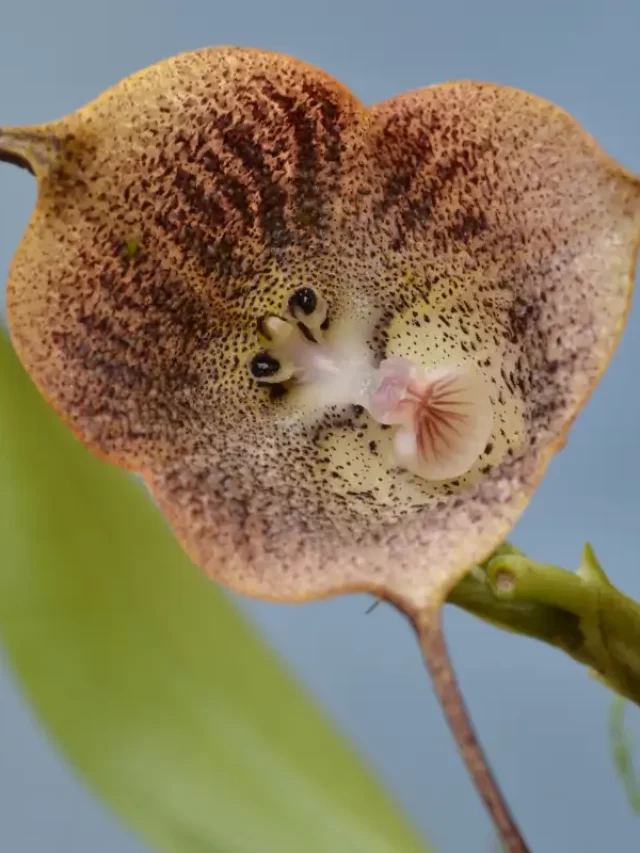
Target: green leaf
x: 145, y: 675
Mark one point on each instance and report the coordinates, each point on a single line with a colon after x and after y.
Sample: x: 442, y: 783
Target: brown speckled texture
x: 463, y: 222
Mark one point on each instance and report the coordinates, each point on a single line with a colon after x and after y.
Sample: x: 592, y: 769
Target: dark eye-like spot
x: 264, y: 365
x: 303, y: 300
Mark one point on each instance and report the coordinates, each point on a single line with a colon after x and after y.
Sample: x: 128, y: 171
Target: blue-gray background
x: 542, y: 719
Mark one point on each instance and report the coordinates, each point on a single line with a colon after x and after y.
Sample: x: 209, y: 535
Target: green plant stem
x: 581, y: 612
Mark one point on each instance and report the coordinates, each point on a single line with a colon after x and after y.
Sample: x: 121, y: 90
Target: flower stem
x: 428, y: 627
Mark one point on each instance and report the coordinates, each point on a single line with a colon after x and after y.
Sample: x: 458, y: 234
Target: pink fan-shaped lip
x: 445, y: 419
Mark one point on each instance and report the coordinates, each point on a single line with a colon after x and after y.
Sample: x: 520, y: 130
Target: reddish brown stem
x: 436, y: 656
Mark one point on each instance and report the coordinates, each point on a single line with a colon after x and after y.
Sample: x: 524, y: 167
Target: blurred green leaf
x: 145, y: 675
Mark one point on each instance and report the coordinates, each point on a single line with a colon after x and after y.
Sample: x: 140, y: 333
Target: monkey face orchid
x: 340, y: 344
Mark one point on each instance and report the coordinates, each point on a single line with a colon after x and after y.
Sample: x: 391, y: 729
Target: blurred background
x: 540, y: 717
